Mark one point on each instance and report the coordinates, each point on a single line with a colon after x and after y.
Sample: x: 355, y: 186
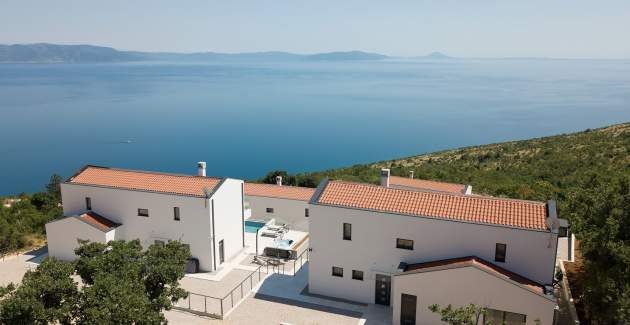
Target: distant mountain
x: 343, y: 56
x: 43, y: 52
x: 434, y: 55
x: 54, y: 53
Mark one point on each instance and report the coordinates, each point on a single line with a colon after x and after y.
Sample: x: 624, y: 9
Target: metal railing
x: 218, y: 307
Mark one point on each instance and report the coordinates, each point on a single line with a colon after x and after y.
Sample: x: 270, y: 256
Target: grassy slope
x: 536, y: 169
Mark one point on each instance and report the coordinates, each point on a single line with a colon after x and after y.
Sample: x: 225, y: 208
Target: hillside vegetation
x: 535, y: 169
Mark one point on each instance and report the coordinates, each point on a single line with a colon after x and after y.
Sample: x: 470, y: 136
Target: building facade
x: 202, y: 212
x: 363, y: 236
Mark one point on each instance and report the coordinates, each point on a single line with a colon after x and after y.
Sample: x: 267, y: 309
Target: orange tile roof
x: 282, y: 192
x: 505, y: 212
x: 479, y: 263
x: 98, y: 221
x: 145, y: 181
x: 427, y: 185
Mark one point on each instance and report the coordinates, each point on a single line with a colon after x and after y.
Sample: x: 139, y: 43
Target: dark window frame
x: 347, y: 231
x: 357, y: 275
x: 306, y: 212
x: 269, y: 210
x: 88, y: 203
x: 142, y: 213
x: 176, y: 214
x: 498, y: 255
x: 337, y: 274
x: 400, y: 243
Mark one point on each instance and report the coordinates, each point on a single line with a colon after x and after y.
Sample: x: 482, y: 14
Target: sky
x: 464, y: 28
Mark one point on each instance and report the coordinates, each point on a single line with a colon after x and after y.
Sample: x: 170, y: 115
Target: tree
x: 600, y: 213
x: 270, y: 178
x: 122, y: 285
x: 467, y: 315
x: 53, y: 188
x: 46, y: 295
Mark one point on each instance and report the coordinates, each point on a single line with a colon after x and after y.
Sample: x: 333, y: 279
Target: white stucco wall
x: 466, y: 285
x: 121, y: 206
x: 285, y: 211
x: 228, y: 217
x: 373, y: 248
x: 61, y: 244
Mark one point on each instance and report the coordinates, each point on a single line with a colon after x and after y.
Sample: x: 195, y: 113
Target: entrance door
x: 221, y: 252
x: 408, y: 309
x: 383, y: 287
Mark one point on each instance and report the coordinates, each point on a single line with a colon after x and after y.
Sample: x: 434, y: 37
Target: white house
x: 284, y: 204
x: 372, y: 243
x: 101, y: 204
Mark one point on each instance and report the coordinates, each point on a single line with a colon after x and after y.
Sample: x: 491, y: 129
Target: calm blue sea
x: 245, y: 119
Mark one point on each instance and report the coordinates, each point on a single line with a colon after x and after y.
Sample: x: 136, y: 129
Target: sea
x: 248, y: 118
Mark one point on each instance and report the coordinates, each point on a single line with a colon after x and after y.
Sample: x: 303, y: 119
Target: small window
x: 269, y: 210
x: 176, y: 213
x: 88, y: 203
x: 563, y: 232
x: 347, y: 231
x: 337, y: 271
x: 404, y: 243
x: 158, y: 242
x: 143, y: 212
x: 306, y: 212
x: 499, y: 253
x: 357, y: 275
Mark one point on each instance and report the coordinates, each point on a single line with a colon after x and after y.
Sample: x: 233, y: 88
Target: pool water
x: 252, y: 226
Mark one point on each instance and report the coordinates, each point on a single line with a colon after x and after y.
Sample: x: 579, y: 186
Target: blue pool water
x: 252, y: 226
x: 246, y: 119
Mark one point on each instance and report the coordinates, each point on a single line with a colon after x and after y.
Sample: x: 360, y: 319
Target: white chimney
x: 201, y: 168
x: 468, y: 189
x: 385, y: 177
x: 411, y: 174
x: 279, y: 180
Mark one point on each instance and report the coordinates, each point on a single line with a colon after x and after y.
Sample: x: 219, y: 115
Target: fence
x: 218, y: 307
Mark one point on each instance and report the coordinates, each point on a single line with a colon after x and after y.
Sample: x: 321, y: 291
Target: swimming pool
x: 252, y: 226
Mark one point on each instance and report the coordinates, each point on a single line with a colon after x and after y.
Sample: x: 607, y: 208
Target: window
x: 563, y: 232
x: 158, y: 242
x: 404, y: 243
x: 269, y: 210
x: 176, y: 213
x: 88, y: 203
x: 347, y: 231
x: 337, y: 271
x: 143, y: 212
x: 503, y: 317
x: 357, y: 275
x: 499, y: 253
x: 306, y: 212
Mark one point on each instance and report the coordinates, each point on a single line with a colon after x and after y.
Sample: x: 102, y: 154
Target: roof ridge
x: 427, y: 180
x: 490, y: 198
x: 285, y: 186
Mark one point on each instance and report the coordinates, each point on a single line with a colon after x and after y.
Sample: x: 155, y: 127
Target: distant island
x: 56, y: 53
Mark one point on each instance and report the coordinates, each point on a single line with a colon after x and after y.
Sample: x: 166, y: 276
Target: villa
x: 404, y: 244
x: 412, y: 247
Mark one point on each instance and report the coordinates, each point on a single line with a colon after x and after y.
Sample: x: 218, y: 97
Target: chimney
x: 411, y: 174
x: 279, y: 180
x: 385, y: 177
x: 201, y: 168
x: 468, y: 189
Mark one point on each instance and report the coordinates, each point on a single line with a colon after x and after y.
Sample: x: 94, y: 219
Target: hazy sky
x: 467, y: 28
